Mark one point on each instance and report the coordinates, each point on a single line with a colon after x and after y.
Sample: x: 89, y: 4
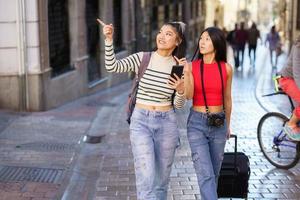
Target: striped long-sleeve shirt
x: 153, y: 88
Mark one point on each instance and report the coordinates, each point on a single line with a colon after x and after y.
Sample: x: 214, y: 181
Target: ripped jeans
x: 207, y: 146
x: 154, y: 137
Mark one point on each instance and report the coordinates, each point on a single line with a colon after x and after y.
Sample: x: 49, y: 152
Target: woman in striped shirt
x: 153, y: 129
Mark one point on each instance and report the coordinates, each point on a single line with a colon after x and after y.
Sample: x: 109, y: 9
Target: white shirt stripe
x: 153, y: 88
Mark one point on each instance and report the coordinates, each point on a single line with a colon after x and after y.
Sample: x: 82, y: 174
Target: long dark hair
x: 179, y: 27
x: 219, y: 42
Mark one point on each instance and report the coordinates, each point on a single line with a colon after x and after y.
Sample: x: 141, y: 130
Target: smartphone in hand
x: 178, y: 70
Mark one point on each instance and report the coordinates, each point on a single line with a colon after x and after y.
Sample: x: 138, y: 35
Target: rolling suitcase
x: 234, y: 174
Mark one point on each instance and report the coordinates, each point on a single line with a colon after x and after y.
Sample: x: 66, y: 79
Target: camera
x: 216, y: 120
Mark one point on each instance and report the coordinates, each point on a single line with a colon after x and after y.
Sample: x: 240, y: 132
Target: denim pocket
x: 189, y: 118
x: 136, y: 114
x: 172, y: 117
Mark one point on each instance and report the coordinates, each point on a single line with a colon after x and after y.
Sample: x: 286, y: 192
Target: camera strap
x: 203, y: 89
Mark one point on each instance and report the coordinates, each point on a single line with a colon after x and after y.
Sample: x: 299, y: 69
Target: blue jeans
x: 154, y: 136
x: 207, y: 145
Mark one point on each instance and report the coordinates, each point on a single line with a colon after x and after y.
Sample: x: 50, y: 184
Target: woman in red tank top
x: 207, y: 80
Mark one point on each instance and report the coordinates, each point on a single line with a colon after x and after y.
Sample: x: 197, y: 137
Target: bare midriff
x: 154, y: 108
x: 212, y: 109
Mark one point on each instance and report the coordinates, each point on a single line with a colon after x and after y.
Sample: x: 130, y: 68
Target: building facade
x: 51, y: 51
x: 293, y: 19
x: 288, y: 21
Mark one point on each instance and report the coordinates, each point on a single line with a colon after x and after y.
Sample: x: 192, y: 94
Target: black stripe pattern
x: 153, y: 88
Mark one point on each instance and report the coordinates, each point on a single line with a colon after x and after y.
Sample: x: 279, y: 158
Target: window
x: 298, y: 15
x: 118, y: 42
x: 178, y: 12
x: 193, y: 7
x: 59, y: 42
x: 161, y: 15
x: 153, y: 27
x: 167, y: 13
x: 154, y: 18
x: 197, y: 9
x: 171, y: 12
x: 91, y: 13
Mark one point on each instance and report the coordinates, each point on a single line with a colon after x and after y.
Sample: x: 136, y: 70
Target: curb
x: 86, y: 166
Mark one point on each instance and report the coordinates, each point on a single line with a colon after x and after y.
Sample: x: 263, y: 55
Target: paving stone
x: 113, y: 177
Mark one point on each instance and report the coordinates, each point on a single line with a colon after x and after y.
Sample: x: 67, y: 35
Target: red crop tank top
x: 212, y: 83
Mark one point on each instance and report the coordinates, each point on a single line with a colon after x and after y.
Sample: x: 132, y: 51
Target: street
x: 43, y: 154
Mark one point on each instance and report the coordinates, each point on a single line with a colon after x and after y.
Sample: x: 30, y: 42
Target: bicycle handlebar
x: 275, y: 93
x: 283, y: 93
x: 279, y: 91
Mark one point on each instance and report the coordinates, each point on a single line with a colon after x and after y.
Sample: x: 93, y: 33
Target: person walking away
x: 154, y: 133
x: 273, y: 39
x: 207, y: 82
x: 290, y: 84
x: 231, y: 39
x: 241, y: 39
x: 253, y: 35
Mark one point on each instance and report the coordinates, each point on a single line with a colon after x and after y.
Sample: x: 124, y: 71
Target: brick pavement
x: 116, y: 179
x: 52, y: 140
x: 38, y: 150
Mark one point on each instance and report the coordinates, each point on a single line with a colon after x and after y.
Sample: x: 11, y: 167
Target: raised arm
x: 130, y: 63
x: 127, y: 64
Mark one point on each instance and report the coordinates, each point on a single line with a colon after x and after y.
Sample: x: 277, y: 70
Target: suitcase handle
x: 235, y: 148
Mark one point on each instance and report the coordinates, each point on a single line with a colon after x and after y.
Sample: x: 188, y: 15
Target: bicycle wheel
x: 274, y: 143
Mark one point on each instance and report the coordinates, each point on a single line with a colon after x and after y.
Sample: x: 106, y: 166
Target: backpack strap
x: 144, y: 65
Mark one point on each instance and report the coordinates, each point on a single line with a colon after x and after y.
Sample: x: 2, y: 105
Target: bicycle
x: 275, y: 145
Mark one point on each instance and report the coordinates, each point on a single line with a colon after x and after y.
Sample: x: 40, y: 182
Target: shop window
x: 154, y: 18
x: 59, y: 40
x: 171, y: 12
x: 118, y: 41
x: 298, y: 15
x: 167, y: 13
x: 178, y: 11
x: 197, y: 9
x: 161, y: 16
x: 192, y: 9
x: 92, y: 28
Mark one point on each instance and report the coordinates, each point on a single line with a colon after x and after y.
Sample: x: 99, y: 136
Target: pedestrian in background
x: 154, y: 134
x: 225, y: 32
x: 208, y: 81
x: 273, y: 39
x: 253, y: 35
x: 290, y: 84
x: 241, y: 38
x: 231, y: 39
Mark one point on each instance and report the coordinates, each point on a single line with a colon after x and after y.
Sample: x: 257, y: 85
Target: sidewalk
x: 116, y: 179
x: 38, y: 150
